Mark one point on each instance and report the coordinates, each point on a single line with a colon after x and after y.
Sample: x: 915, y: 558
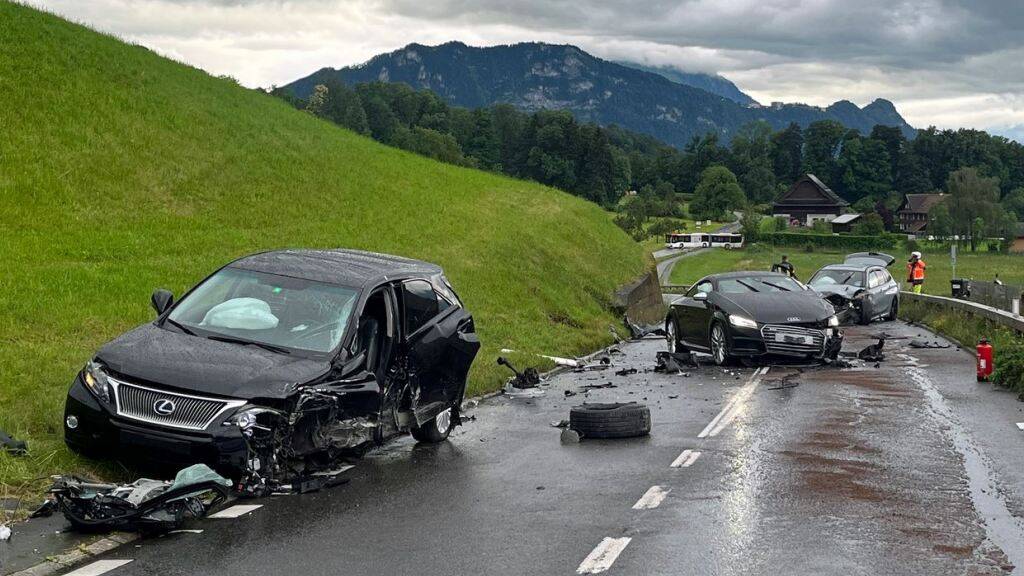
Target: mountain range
x: 534, y: 76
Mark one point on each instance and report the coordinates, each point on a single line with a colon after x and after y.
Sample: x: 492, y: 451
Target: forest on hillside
x: 602, y: 164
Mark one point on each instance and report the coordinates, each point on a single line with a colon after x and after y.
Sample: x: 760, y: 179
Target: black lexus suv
x: 280, y: 363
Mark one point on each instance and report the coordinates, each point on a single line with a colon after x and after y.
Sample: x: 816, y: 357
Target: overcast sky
x: 949, y: 63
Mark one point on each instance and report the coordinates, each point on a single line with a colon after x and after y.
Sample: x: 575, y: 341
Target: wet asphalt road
x: 908, y: 468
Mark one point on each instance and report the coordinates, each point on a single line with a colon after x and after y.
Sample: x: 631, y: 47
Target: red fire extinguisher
x: 985, y: 360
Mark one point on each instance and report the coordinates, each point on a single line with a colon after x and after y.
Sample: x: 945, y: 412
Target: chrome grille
x: 771, y: 332
x: 180, y: 410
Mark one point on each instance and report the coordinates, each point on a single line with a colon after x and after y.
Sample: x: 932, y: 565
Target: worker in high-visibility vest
x: 915, y: 272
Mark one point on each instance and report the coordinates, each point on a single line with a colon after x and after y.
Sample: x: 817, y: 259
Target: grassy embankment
x: 121, y: 172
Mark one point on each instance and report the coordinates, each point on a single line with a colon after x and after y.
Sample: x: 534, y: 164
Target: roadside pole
x: 952, y: 257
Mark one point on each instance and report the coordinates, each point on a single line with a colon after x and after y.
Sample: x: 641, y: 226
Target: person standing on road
x: 786, y: 267
x: 915, y: 272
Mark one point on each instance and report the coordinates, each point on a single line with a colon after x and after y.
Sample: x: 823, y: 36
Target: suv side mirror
x: 700, y: 296
x: 162, y: 300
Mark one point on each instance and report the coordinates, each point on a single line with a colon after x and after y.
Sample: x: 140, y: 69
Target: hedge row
x: 842, y: 242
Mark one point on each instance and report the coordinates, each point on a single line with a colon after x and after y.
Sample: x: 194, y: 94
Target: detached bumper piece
x: 150, y: 506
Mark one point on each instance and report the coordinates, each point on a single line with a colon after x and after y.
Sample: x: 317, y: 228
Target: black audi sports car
x: 752, y: 314
x: 277, y: 364
x: 860, y: 289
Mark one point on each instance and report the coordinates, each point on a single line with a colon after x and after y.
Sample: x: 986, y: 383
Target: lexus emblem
x: 164, y: 407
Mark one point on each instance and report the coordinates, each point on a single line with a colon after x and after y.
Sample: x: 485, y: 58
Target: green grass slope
x: 122, y: 171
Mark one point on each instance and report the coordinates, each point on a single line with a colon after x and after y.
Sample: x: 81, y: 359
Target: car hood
x: 196, y: 364
x: 782, y: 307
x: 844, y: 290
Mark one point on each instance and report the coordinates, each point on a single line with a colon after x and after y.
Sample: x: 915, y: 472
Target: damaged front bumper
x: 95, y: 429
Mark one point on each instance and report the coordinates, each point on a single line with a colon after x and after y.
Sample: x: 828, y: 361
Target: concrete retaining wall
x: 641, y: 300
x: 996, y: 315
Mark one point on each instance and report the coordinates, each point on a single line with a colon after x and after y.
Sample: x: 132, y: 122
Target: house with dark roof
x: 809, y: 200
x: 912, y: 215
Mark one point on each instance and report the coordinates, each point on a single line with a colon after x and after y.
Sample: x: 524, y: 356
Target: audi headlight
x: 96, y: 381
x: 741, y: 321
x: 833, y: 320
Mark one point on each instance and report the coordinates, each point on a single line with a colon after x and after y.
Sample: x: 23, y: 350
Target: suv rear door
x: 441, y: 345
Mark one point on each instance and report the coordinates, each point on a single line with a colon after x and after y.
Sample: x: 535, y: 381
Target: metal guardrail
x: 996, y: 295
x: 1008, y: 319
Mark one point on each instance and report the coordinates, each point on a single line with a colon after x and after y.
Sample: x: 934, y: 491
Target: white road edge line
x: 602, y: 557
x: 98, y: 567
x: 728, y: 413
x: 236, y: 511
x: 652, y: 498
x: 686, y: 459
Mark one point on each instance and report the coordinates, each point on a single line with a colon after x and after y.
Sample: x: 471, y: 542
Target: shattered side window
x: 420, y: 304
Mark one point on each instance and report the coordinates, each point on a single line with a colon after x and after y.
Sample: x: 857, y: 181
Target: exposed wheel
x: 719, y: 345
x: 610, y: 420
x: 894, y: 310
x: 436, y: 430
x: 728, y: 246
x: 672, y: 336
x: 862, y: 316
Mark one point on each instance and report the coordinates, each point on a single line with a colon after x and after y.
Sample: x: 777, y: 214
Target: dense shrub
x: 851, y: 243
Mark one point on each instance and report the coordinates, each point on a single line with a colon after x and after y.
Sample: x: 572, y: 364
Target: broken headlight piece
x: 248, y: 419
x: 96, y: 381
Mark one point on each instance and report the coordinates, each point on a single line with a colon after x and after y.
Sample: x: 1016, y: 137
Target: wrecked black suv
x: 280, y: 364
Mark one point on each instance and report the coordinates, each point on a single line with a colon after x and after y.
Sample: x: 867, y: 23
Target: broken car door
x: 694, y: 313
x: 432, y: 327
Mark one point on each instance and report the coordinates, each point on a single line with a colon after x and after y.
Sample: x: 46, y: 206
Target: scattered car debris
x: 638, y: 331
x: 144, y: 505
x: 614, y: 420
x: 626, y: 371
x: 873, y: 353
x: 603, y: 363
x: 569, y: 436
x: 528, y: 378
x: 5, y: 533
x: 569, y: 393
x: 787, y: 381
x: 589, y: 387
x: 919, y: 343
x: 560, y: 424
x: 570, y: 362
x: 12, y: 446
x: 674, y: 362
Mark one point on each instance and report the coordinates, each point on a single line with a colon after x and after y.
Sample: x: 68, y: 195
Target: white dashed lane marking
x: 236, y: 511
x: 651, y: 499
x: 98, y: 567
x: 733, y: 407
x: 602, y: 557
x: 685, y: 459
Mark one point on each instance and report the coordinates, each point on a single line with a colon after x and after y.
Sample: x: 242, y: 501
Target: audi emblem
x: 164, y: 407
x: 793, y: 319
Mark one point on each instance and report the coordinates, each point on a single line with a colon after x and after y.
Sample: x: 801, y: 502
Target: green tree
x: 717, y: 194
x: 787, y: 150
x: 822, y: 146
x: 750, y: 226
x: 940, y: 224
x: 870, y: 224
x: 973, y: 201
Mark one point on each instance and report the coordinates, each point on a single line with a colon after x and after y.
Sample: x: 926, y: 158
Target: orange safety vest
x: 915, y: 271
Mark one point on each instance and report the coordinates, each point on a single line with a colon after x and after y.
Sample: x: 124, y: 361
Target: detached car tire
x: 610, y: 420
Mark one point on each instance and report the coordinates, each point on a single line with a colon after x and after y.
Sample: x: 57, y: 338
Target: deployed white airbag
x: 241, y: 314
